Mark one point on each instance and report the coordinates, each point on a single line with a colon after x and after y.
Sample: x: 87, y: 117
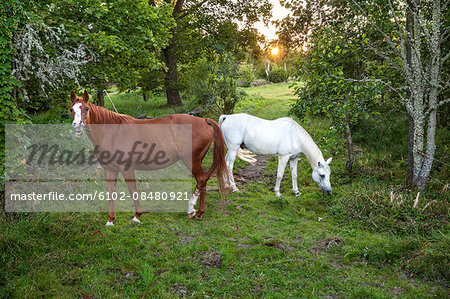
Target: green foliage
x: 246, y: 74
x: 11, y: 17
x: 152, y: 81
x: 277, y: 75
x: 121, y: 41
x: 213, y: 85
x: 328, y: 91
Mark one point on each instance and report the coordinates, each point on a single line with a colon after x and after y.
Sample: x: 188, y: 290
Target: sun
x: 275, y: 51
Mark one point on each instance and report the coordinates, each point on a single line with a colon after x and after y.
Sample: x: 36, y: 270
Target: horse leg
x: 111, y: 180
x: 193, y: 202
x: 229, y: 159
x: 200, y: 190
x: 282, y: 161
x: 130, y: 179
x: 293, y: 163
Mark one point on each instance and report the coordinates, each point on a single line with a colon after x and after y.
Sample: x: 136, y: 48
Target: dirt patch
x: 253, y: 172
x: 113, y: 270
x: 184, y: 239
x: 337, y: 266
x: 278, y: 245
x: 211, y: 259
x: 246, y: 245
x: 179, y: 289
x: 325, y: 244
x: 397, y: 291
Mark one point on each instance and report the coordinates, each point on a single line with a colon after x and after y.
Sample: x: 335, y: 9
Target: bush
x: 214, y: 88
x: 277, y: 75
x: 226, y: 95
x: 246, y: 74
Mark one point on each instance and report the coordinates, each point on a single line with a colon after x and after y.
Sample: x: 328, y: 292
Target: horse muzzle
x: 326, y: 191
x: 78, y: 129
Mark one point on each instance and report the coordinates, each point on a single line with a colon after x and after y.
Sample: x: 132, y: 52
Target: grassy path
x: 255, y: 246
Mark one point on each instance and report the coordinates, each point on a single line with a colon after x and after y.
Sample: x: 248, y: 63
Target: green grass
x: 130, y: 103
x: 268, y: 101
x: 255, y: 246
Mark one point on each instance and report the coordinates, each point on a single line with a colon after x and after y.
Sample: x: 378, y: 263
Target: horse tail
x: 218, y: 163
x: 246, y: 155
x: 221, y: 119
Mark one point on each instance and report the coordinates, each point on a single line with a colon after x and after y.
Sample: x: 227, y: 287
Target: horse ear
x: 329, y: 160
x: 86, y: 96
x: 73, y: 96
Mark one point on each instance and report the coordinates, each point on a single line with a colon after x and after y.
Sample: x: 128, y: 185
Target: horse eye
x: 322, y: 176
x: 71, y: 110
x: 87, y: 108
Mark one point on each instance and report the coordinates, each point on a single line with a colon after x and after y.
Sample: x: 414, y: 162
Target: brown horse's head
x: 80, y: 111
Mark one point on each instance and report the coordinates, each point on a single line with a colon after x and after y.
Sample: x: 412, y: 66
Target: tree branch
x: 396, y: 90
x: 384, y: 56
x: 443, y: 102
x: 388, y: 39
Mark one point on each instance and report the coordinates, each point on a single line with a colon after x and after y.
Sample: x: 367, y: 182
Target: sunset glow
x: 275, y: 51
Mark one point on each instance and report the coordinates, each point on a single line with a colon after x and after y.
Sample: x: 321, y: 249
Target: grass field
x: 359, y: 242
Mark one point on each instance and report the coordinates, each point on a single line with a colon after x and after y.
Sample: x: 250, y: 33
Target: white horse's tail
x: 243, y: 154
x: 221, y: 119
x: 246, y: 155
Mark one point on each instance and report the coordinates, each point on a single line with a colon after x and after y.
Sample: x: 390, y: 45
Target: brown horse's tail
x: 218, y: 163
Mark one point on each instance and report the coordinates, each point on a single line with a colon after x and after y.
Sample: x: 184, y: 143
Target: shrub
x: 213, y: 87
x: 246, y: 74
x: 226, y: 95
x: 277, y: 75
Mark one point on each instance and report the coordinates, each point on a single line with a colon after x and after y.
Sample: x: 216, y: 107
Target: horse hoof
x: 236, y: 190
x: 108, y: 223
x: 298, y: 193
x: 278, y: 194
x: 191, y: 215
x: 198, y: 215
x: 135, y: 220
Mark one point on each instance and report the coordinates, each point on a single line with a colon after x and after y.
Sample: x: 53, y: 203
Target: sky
x: 278, y: 13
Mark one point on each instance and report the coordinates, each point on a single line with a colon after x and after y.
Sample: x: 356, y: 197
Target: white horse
x: 282, y: 137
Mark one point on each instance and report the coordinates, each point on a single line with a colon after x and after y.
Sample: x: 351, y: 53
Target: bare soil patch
x: 253, y: 172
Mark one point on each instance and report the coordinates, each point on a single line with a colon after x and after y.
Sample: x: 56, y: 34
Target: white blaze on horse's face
x: 321, y: 175
x: 80, y: 111
x: 79, y: 116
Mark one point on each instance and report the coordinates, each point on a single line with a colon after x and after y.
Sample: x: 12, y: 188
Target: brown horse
x: 191, y: 148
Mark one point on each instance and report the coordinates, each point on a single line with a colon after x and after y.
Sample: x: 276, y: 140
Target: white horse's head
x: 321, y: 175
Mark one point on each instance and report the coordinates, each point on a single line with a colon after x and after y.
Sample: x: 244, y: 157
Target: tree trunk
x: 349, y: 141
x: 423, y: 83
x: 410, y: 179
x: 100, y: 97
x: 144, y: 96
x: 171, y: 76
x: 170, y: 60
x: 409, y: 35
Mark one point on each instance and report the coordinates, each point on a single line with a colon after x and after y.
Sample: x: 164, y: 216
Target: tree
x: 409, y: 39
x: 199, y: 24
x: 123, y: 37
x: 416, y: 51
x: 329, y: 61
x: 335, y: 57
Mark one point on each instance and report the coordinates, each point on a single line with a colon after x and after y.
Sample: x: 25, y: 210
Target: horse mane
x: 314, y: 153
x: 103, y: 115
